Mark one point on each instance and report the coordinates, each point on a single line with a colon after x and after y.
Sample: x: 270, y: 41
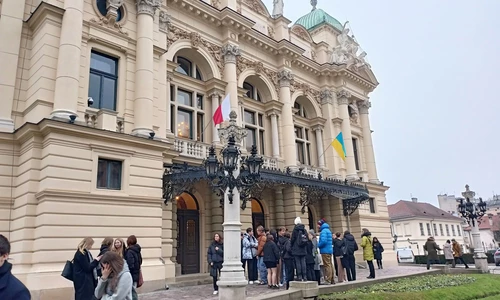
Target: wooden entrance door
x: 257, y: 215
x: 188, y: 241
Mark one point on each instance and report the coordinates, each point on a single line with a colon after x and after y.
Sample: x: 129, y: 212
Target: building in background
x: 489, y: 228
x: 413, y: 222
x: 448, y: 203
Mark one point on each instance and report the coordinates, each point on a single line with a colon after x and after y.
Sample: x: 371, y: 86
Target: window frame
x: 355, y: 148
x: 441, y: 229
x: 304, y: 142
x: 459, y: 232
x: 104, y: 75
x: 447, y: 227
x: 252, y: 91
x: 194, y: 71
x: 434, y: 226
x: 371, y: 203
x: 257, y: 128
x: 428, y: 225
x: 108, y: 162
x: 422, y: 231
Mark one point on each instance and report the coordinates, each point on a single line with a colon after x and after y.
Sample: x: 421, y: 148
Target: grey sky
x: 435, y: 112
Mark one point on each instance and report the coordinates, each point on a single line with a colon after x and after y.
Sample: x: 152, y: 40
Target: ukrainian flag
x: 338, y: 145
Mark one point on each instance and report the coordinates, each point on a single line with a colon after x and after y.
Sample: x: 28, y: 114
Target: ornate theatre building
x: 106, y: 118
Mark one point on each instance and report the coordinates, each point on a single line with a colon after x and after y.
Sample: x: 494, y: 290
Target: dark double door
x: 188, y: 241
x: 257, y: 220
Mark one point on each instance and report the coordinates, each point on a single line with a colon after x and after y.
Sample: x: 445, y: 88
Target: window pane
x: 184, y: 97
x: 258, y: 97
x: 184, y: 124
x: 372, y: 210
x: 261, y: 142
x: 101, y: 6
x: 199, y: 128
x: 102, y: 171
x: 172, y: 93
x: 308, y: 148
x: 249, y: 117
x: 307, y: 134
x: 300, y: 152
x: 198, y: 74
x: 184, y: 66
x: 108, y: 93
x: 172, y: 118
x: 250, y: 139
x: 261, y: 122
x: 298, y: 132
x: 199, y: 101
x: 95, y: 89
x: 103, y: 63
x: 356, y: 157
x: 115, y: 175
x: 247, y: 86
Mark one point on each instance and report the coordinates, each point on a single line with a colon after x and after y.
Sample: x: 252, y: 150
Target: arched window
x: 303, y: 145
x: 252, y: 91
x: 186, y: 67
x: 300, y: 111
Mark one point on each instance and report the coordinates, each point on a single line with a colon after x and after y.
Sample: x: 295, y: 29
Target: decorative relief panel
x: 215, y: 3
x: 245, y: 63
x: 302, y: 33
x: 306, y: 88
x: 256, y: 6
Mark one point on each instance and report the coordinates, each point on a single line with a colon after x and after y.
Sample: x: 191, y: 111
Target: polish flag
x: 222, y: 112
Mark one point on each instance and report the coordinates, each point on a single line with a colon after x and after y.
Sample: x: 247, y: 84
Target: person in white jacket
x: 116, y: 280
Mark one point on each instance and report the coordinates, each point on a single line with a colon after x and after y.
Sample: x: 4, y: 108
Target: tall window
x: 428, y: 229
x: 453, y: 230
x: 422, y: 233
x: 109, y: 174
x: 371, y: 201
x: 300, y: 110
x: 435, y: 229
x: 255, y: 131
x: 103, y: 80
x: 447, y: 230
x: 356, y: 154
x: 187, y: 115
x: 441, y: 229
x: 252, y: 91
x: 186, y: 67
x: 458, y: 230
x: 303, y: 145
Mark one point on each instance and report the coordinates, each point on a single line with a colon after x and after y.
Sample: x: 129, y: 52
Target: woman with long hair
x: 271, y: 258
x: 134, y: 261
x: 84, y: 270
x: 215, y: 257
x: 377, y: 252
x: 119, y: 247
x: 116, y: 281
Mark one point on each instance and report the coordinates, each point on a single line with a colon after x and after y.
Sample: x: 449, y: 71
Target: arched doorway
x: 312, y: 223
x: 257, y: 215
x: 188, y: 234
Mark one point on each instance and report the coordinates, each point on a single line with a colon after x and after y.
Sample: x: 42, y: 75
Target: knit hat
x: 321, y: 222
x: 297, y: 221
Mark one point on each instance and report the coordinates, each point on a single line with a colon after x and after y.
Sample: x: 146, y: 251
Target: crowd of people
x: 277, y: 257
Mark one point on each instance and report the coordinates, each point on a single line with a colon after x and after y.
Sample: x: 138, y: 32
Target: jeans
x: 251, y: 265
x: 134, y: 292
x: 283, y: 272
x: 430, y: 262
x: 379, y: 264
x: 289, y: 271
x: 461, y: 259
x: 372, y: 269
x: 262, y: 270
x: 300, y: 264
x: 327, y: 263
x: 310, y: 272
x: 349, y: 262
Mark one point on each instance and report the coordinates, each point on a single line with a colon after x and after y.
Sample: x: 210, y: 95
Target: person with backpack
x: 250, y: 245
x: 288, y: 259
x: 367, y: 245
x: 348, y: 260
x: 339, y: 250
x: 325, y: 246
x: 299, y: 242
x: 281, y: 246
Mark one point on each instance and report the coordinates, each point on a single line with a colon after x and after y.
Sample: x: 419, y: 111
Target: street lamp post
x: 232, y: 175
x: 472, y: 211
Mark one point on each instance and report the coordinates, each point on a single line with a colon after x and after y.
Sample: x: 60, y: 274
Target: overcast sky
x: 435, y: 113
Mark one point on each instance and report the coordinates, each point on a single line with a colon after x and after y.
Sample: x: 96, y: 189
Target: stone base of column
x: 229, y: 291
x: 62, y: 114
x: 481, y: 262
x: 232, y: 283
x: 142, y: 132
x: 6, y: 125
x: 310, y: 289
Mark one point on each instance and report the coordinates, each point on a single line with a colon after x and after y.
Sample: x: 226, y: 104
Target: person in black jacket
x: 134, y: 260
x: 287, y: 258
x: 310, y: 259
x: 338, y: 244
x: 215, y: 257
x: 299, y: 243
x: 10, y: 287
x: 348, y: 260
x: 377, y: 252
x: 105, y: 247
x: 84, y: 270
x: 271, y: 258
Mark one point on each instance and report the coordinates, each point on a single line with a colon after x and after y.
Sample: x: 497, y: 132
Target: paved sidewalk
x: 205, y: 291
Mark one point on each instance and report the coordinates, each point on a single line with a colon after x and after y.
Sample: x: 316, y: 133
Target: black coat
x: 102, y: 251
x: 287, y: 249
x: 134, y: 261
x: 309, y: 253
x: 215, y: 258
x: 271, y: 252
x: 10, y: 287
x: 351, y: 244
x: 377, y: 250
x: 297, y: 249
x: 337, y: 247
x: 83, y: 275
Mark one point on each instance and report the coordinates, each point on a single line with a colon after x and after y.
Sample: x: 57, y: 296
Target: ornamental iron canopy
x: 470, y: 209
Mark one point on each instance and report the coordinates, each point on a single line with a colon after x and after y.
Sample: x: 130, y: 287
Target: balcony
x: 311, y: 171
x: 189, y: 148
x: 271, y: 163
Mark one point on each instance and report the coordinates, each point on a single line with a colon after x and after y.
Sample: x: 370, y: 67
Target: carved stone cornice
x: 302, y: 33
x: 285, y: 78
x: 215, y: 93
x: 364, y: 106
x: 343, y: 97
x: 165, y: 21
x: 326, y: 96
x: 317, y: 127
x: 273, y: 106
x: 306, y: 89
x: 230, y: 52
x: 260, y: 69
x: 337, y: 121
x: 257, y: 7
x: 148, y: 6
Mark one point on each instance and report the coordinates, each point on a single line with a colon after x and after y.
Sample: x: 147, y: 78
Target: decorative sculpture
x: 346, y: 52
x: 278, y: 8
x: 314, y: 3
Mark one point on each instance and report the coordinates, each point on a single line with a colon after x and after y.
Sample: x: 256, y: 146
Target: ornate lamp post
x: 472, y: 211
x: 232, y: 175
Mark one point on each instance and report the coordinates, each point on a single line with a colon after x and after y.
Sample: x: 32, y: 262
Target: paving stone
x: 205, y: 291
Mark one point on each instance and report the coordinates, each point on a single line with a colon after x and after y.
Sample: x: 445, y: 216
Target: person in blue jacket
x: 325, y: 246
x: 10, y: 287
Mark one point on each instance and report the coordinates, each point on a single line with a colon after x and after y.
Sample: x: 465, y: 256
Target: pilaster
x: 292, y: 207
x: 343, y: 102
x: 325, y: 212
x: 285, y: 78
x: 279, y: 207
x: 215, y: 96
x: 217, y: 214
x: 367, y: 142
x: 330, y: 155
x: 230, y: 52
x: 167, y: 236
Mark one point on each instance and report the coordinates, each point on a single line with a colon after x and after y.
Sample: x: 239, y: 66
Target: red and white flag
x: 222, y: 112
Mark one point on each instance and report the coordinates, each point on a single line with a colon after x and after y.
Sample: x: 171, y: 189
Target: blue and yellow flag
x: 338, y: 145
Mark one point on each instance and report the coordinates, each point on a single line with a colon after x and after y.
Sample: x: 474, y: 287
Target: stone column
x: 11, y: 25
x: 144, y: 78
x: 343, y: 101
x: 329, y: 133
x: 279, y: 207
x: 68, y: 63
x: 319, y: 145
x: 168, y: 238
x: 168, y: 109
x: 215, y: 104
x: 285, y: 78
x: 175, y: 232
x: 325, y: 212
x: 274, y: 134
x: 367, y: 141
x: 230, y: 52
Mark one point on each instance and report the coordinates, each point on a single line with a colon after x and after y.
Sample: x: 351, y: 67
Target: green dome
x: 318, y: 17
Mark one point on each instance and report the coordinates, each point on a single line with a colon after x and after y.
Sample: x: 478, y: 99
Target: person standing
x: 299, y: 244
x: 119, y: 248
x: 338, y: 248
x: 215, y: 257
x: 281, y: 247
x: 348, y: 260
x: 288, y: 259
x: 448, y: 254
x: 271, y: 258
x: 317, y: 256
x: 249, y: 254
x: 134, y: 261
x: 457, y: 253
x: 116, y: 281
x: 84, y: 270
x: 105, y: 247
x: 11, y: 288
x: 367, y: 245
x: 325, y: 246
x: 310, y: 258
x: 261, y: 241
x: 377, y: 252
x: 432, y: 252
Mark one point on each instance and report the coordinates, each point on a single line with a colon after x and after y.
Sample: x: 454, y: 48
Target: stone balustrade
x: 102, y: 119
x: 191, y: 148
x: 311, y: 171
x: 270, y: 163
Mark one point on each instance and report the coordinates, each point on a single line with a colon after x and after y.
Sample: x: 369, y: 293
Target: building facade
x: 448, y: 203
x: 413, y: 222
x: 101, y: 99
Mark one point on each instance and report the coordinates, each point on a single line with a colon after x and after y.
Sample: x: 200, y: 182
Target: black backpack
x: 303, y: 239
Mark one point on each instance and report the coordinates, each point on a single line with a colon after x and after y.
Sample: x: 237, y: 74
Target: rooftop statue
x: 346, y: 52
x: 278, y: 6
x: 314, y: 3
